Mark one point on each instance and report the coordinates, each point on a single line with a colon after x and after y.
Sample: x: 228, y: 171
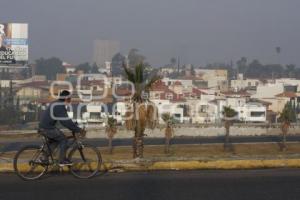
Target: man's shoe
x: 65, y: 163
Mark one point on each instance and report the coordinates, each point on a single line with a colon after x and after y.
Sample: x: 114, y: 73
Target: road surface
x: 11, y: 146
x: 273, y: 184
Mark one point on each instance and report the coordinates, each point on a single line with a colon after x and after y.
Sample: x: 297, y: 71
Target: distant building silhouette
x: 104, y: 50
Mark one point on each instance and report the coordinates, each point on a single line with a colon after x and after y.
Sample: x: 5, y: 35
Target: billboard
x: 13, y: 43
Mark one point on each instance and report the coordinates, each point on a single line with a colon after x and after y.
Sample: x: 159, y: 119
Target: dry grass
x: 5, y: 138
x: 208, y: 151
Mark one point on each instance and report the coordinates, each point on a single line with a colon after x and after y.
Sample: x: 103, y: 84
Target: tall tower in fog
x: 104, y: 50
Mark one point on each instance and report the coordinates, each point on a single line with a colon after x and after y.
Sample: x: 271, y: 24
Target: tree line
x: 10, y: 111
x: 52, y: 66
x: 255, y: 69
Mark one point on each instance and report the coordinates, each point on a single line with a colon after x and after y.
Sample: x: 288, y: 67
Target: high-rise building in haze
x: 104, y: 50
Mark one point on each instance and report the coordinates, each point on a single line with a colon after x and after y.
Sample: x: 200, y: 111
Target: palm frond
x: 139, y: 73
x: 129, y: 120
x: 152, y: 115
x: 169, y: 132
x: 111, y: 128
x: 228, y: 112
x: 130, y: 75
x: 166, y: 117
x: 288, y: 114
x: 142, y: 115
x: 151, y: 82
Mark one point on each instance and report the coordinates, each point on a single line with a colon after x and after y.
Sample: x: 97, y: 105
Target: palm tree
x: 286, y: 117
x: 143, y: 113
x: 111, y: 130
x: 229, y: 115
x: 169, y: 132
x: 278, y: 51
x: 173, y: 61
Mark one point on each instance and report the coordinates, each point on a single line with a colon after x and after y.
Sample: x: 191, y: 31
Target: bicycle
x: 33, y: 161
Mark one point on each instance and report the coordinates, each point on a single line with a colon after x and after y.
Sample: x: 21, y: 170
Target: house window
x: 95, y: 115
x: 177, y: 116
x: 203, y: 108
x: 257, y: 114
x: 169, y: 96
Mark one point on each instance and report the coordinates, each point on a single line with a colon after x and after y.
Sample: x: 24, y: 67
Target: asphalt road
x: 11, y: 146
x: 279, y: 184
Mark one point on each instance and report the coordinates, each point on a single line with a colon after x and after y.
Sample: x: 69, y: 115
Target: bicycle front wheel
x: 29, y: 162
x: 86, y: 161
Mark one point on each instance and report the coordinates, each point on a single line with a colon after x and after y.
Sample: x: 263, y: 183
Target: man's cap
x: 65, y: 94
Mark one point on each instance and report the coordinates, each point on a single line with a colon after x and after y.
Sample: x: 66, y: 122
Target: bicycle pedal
x: 65, y: 165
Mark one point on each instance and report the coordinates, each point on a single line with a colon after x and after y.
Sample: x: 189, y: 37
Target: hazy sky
x: 200, y: 31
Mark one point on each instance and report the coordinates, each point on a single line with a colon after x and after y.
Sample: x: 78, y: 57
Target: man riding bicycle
x: 57, y: 112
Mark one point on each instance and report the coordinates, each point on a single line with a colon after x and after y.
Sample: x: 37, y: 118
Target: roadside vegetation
x: 287, y: 116
x: 169, y: 131
x: 111, y: 130
x: 229, y: 115
x: 142, y: 113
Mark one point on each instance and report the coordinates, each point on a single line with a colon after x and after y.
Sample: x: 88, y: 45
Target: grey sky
x: 201, y: 31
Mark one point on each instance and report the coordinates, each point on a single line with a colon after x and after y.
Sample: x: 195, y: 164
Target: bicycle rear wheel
x: 30, y: 162
x: 86, y: 161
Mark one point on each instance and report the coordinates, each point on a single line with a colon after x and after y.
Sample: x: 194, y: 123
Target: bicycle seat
x: 42, y: 132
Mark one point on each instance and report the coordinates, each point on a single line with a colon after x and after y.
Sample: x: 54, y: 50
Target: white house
x: 268, y: 90
x: 240, y: 84
x: 186, y: 83
x: 240, y: 101
x: 94, y: 113
x: 252, y: 112
x: 119, y: 111
x: 215, y: 78
x: 166, y: 106
x: 202, y: 111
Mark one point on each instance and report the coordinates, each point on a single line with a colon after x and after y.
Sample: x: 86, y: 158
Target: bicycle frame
x: 45, y: 157
x: 74, y: 142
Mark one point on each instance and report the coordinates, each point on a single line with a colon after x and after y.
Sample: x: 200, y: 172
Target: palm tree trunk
x: 110, y: 148
x: 134, y: 142
x: 167, y: 145
x: 285, y: 128
x: 226, y: 143
x: 284, y: 141
x: 139, y: 140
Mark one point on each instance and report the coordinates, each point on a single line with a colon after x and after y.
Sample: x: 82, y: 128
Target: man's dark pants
x: 59, y: 137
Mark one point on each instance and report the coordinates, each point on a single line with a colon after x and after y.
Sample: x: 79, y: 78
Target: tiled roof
x: 177, y: 83
x: 239, y: 93
x: 175, y: 97
x: 287, y: 94
x: 159, y: 86
x: 123, y: 92
x: 36, y: 84
x: 197, y: 91
x: 261, y: 101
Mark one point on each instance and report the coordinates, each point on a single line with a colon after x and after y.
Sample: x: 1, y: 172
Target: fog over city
x: 199, y: 31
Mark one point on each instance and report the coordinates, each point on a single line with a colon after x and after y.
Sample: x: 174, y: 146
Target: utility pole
x: 178, y: 64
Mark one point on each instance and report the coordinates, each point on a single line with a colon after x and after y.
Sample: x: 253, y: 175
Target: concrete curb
x: 186, y: 165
